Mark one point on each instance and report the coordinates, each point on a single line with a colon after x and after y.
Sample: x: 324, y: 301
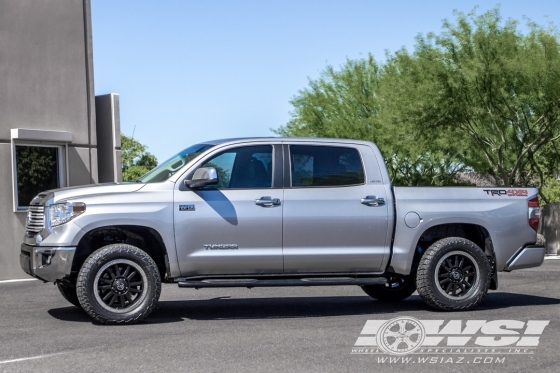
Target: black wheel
x: 454, y: 274
x: 118, y: 284
x: 396, y: 289
x: 69, y: 293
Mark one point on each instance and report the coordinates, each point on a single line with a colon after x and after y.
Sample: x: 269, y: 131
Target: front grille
x: 35, y: 218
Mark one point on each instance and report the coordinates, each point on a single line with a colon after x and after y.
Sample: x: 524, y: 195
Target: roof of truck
x: 315, y: 139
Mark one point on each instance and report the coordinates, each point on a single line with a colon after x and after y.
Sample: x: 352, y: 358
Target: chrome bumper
x: 46, y: 263
x: 527, y: 257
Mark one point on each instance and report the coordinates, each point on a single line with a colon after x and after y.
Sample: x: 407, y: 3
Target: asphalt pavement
x: 312, y: 329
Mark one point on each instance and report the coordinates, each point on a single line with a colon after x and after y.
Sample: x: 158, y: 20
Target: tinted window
x: 246, y: 167
x: 325, y: 166
x: 37, y: 169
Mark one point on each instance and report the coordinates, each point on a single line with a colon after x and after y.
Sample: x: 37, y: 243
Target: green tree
x: 551, y: 191
x: 338, y: 104
x: 480, y: 96
x: 36, y: 171
x: 351, y: 103
x: 136, y: 160
x: 490, y: 87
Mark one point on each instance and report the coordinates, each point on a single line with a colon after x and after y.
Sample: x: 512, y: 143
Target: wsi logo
x: 406, y: 335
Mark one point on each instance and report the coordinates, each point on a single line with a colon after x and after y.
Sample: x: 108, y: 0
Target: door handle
x: 267, y: 201
x: 373, y: 201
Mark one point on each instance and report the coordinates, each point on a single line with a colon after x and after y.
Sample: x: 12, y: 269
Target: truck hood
x: 76, y: 193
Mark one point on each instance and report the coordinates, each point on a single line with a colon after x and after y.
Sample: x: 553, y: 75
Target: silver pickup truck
x: 276, y: 212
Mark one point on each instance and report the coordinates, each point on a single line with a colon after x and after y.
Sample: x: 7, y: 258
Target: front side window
x: 246, y: 167
x: 37, y: 168
x: 325, y: 166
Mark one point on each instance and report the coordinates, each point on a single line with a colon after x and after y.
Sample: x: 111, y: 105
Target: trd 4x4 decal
x: 507, y: 192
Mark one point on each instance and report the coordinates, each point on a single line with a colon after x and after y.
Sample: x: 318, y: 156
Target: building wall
x: 46, y: 70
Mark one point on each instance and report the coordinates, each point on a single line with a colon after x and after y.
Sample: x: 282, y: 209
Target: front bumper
x: 46, y: 263
x: 527, y: 257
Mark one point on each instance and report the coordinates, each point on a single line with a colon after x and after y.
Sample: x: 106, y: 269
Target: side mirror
x: 202, y: 177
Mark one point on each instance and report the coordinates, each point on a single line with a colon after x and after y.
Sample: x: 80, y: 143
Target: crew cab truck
x: 276, y: 212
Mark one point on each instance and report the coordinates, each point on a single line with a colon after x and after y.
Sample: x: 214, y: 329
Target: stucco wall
x: 46, y: 70
x: 43, y: 67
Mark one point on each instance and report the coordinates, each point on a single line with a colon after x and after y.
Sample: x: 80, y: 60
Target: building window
x: 36, y: 168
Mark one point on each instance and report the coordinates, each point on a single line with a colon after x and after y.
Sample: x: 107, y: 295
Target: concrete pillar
x: 550, y: 227
x: 108, y: 128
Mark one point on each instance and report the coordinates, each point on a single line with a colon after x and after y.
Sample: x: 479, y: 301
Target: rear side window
x: 324, y: 166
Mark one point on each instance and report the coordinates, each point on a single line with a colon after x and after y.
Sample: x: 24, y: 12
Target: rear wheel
x: 396, y: 289
x: 119, y: 284
x: 454, y: 274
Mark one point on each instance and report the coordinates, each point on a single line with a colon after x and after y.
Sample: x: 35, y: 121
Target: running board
x: 253, y: 283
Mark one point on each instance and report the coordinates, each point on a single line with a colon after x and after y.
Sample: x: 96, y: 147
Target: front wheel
x: 454, y: 274
x: 69, y: 293
x: 118, y: 284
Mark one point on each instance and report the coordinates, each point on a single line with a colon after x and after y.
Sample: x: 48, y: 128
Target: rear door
x: 334, y: 221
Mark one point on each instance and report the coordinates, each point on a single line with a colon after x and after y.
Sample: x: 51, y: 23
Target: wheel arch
x: 472, y: 232
x: 456, y: 284
x: 145, y: 238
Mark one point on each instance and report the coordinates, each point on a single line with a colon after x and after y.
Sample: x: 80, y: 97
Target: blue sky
x: 189, y: 71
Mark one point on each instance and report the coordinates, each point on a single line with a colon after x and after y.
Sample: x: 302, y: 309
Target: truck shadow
x: 224, y: 308
x: 499, y: 300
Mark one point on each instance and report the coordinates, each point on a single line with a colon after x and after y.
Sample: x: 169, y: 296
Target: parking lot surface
x: 274, y: 330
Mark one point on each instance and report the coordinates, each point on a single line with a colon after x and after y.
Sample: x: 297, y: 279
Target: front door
x: 327, y: 226
x: 234, y: 227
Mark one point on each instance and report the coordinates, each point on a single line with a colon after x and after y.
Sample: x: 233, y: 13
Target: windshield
x: 174, y: 164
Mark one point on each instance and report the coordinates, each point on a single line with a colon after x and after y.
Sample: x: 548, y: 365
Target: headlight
x: 61, y: 213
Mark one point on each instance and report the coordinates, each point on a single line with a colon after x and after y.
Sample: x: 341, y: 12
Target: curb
x: 18, y: 280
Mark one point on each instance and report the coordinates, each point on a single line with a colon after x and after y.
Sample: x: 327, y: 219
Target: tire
x: 69, y: 293
x: 118, y: 284
x: 396, y: 289
x: 453, y: 275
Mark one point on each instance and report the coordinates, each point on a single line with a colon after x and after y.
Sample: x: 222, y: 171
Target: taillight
x: 534, y: 213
